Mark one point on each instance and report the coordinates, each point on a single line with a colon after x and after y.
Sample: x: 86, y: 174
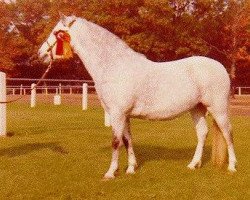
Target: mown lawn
x: 62, y: 153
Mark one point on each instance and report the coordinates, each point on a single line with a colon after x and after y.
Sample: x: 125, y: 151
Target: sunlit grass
x: 62, y: 153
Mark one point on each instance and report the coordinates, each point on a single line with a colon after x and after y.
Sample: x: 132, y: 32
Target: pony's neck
x: 99, y: 49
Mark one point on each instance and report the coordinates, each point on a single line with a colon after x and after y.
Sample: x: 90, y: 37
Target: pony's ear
x: 62, y: 16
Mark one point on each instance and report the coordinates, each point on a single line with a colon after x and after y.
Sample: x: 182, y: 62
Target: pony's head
x: 57, y: 45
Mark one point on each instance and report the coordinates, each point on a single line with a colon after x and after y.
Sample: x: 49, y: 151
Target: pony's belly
x: 160, y: 113
x: 155, y: 115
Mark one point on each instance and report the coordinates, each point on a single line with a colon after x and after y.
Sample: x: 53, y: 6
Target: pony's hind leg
x: 127, y: 140
x: 198, y: 116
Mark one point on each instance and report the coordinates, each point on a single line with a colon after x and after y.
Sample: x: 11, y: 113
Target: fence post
x: 21, y: 89
x: 239, y: 90
x: 57, y: 100
x: 84, y: 96
x: 33, y: 95
x: 60, y: 88
x: 107, y: 119
x: 3, y: 130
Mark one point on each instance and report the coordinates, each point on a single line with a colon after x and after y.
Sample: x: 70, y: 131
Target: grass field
x: 62, y: 153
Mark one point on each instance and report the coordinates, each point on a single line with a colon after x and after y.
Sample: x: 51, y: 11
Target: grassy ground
x: 63, y: 152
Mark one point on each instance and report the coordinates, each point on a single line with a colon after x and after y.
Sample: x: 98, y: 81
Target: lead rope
x: 35, y: 86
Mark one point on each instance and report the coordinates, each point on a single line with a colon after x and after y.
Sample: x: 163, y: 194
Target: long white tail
x: 219, y: 147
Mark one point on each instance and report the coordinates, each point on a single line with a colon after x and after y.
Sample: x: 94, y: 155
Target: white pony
x: 130, y: 85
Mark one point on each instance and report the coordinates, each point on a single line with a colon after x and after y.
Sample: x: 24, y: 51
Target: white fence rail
x: 74, y: 89
x: 243, y: 90
x: 22, y: 86
x: 60, y: 89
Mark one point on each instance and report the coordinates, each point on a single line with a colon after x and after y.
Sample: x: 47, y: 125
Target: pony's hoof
x: 194, y: 165
x: 232, y: 169
x: 108, y: 177
x: 130, y: 170
x: 191, y: 167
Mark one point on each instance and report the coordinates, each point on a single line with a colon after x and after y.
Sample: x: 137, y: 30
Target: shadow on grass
x: 31, y: 147
x: 146, y: 153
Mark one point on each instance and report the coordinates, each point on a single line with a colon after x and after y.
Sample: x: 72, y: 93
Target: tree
x: 239, y: 33
x: 6, y: 63
x: 226, y: 31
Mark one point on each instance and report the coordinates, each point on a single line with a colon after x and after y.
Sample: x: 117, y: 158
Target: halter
x: 49, y: 50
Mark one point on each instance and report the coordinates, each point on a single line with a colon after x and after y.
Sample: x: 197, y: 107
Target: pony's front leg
x: 118, y: 123
x: 127, y: 141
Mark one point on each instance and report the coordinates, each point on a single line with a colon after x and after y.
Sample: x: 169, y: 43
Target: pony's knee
x: 116, y: 142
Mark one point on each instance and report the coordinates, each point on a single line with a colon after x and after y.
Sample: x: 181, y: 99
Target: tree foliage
x: 163, y: 30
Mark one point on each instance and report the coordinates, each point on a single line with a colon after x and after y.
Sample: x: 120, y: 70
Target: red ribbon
x: 61, y: 37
